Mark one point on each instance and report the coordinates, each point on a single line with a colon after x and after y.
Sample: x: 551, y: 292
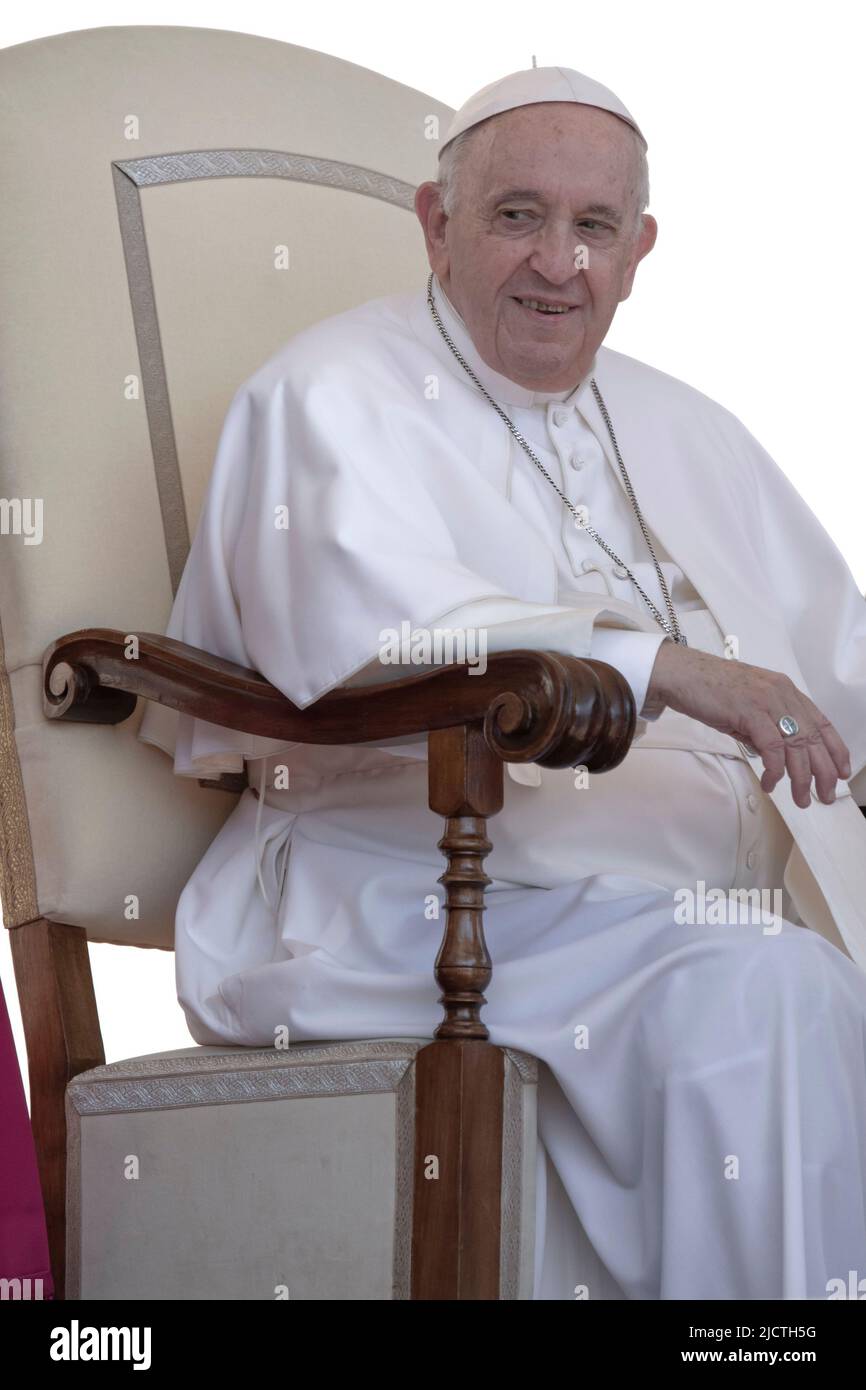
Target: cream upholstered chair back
x: 176, y: 204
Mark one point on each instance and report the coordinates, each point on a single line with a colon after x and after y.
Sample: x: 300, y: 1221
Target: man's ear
x: 431, y: 215
x: 644, y: 243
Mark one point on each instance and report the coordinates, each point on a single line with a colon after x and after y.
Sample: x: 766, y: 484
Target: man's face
x: 538, y: 183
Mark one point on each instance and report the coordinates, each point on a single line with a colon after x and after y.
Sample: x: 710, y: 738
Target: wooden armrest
x: 534, y: 706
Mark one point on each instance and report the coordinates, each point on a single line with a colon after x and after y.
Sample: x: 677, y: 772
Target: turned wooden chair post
x: 61, y: 1030
x: 459, y: 1077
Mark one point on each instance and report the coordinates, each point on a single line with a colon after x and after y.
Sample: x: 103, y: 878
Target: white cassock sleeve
x: 633, y: 654
x: 823, y: 607
x: 511, y: 625
x: 367, y: 547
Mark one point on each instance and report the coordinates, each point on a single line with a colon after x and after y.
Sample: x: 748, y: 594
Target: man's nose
x: 554, y: 254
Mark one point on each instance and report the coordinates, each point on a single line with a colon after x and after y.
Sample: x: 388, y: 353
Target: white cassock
x: 702, y: 1112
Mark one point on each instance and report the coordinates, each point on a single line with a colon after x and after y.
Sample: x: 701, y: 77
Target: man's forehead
x: 559, y: 123
x: 581, y: 140
x: 582, y: 173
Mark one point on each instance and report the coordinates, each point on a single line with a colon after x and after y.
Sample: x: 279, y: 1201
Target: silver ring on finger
x: 788, y: 724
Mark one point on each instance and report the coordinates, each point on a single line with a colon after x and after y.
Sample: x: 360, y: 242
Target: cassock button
x: 620, y: 571
x: 588, y: 565
x: 576, y: 461
x: 752, y: 802
x: 560, y: 416
x: 751, y: 859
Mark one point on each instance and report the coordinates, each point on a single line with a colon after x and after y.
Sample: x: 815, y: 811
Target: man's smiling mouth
x: 546, y: 308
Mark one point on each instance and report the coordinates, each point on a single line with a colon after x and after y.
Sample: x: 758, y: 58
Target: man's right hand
x: 745, y: 702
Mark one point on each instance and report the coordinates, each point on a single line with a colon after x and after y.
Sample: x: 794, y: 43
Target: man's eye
x: 516, y: 212
x: 588, y: 222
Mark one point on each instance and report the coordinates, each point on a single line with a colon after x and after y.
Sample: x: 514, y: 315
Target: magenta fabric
x: 23, y: 1237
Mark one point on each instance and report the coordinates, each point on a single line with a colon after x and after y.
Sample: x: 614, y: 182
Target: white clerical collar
x: 501, y: 388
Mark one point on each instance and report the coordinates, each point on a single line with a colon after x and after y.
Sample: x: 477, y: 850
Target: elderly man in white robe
x: 470, y: 457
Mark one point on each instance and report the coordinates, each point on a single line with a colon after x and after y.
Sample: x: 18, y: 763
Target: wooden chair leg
x: 458, y: 1171
x: 460, y: 1077
x: 61, y: 1030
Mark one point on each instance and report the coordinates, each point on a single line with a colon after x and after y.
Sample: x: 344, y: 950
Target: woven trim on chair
x: 268, y: 164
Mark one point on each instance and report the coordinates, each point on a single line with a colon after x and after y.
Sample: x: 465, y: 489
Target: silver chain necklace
x: 669, y: 625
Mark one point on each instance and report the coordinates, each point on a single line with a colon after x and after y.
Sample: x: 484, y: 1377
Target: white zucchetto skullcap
x: 533, y: 85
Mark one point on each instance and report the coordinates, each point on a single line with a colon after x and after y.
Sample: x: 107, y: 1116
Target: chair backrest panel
x: 176, y: 204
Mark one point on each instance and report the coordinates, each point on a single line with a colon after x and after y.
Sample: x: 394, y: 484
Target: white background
x: 754, y: 292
